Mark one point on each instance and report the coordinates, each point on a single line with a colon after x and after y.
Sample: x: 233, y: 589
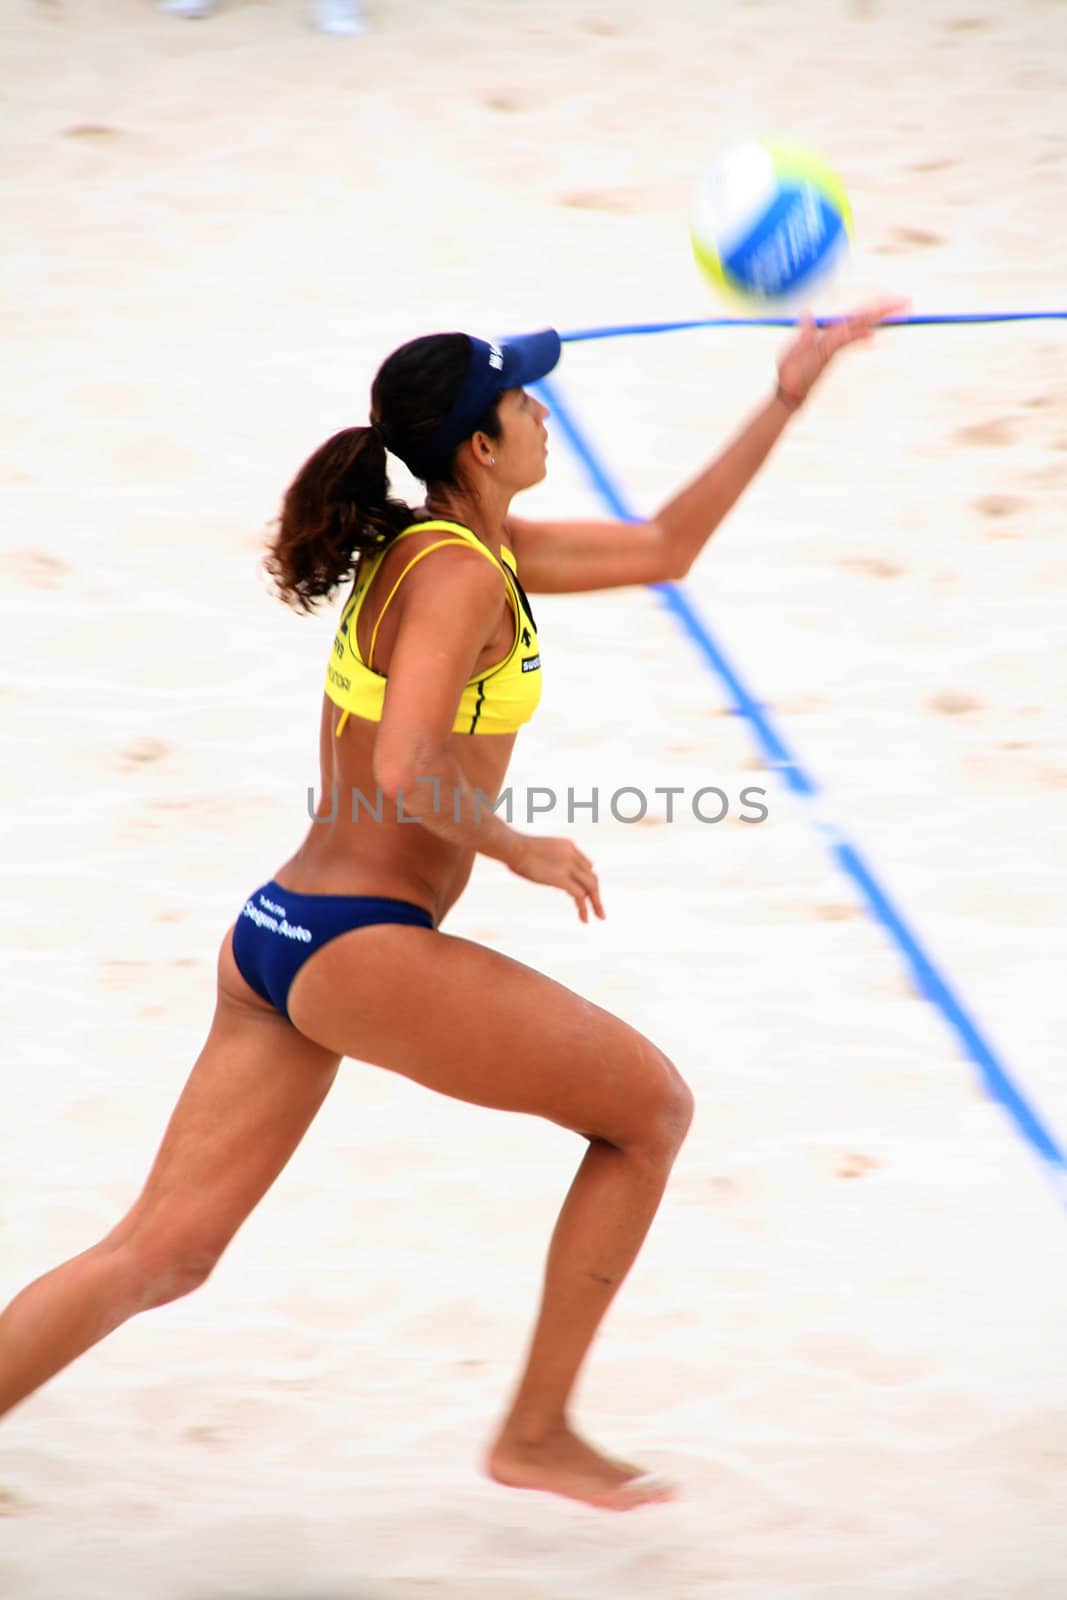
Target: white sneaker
x: 187, y: 8
x: 337, y: 16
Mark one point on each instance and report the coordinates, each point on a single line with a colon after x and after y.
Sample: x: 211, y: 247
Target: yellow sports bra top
x: 499, y: 701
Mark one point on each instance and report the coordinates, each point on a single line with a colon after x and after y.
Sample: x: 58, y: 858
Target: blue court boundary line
x: 925, y: 320
x: 930, y: 983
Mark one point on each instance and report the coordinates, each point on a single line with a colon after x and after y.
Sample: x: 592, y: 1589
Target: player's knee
x: 659, y: 1109
x: 674, y: 1106
x: 168, y: 1266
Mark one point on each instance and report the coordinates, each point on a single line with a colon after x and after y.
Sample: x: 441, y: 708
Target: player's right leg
x: 470, y: 1023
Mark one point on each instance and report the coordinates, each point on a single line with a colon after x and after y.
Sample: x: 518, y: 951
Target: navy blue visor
x: 512, y: 364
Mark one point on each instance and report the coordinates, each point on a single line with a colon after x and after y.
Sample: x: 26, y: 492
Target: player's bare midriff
x: 351, y: 851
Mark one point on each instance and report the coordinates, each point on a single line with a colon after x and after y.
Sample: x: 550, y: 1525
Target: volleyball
x: 768, y: 221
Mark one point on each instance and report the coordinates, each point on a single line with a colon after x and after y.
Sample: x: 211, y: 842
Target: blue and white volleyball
x: 769, y: 221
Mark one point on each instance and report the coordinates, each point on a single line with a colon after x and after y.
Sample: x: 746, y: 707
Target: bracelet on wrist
x: 791, y: 402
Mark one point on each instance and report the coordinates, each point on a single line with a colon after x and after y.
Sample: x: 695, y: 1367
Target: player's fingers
x: 587, y: 878
x: 583, y: 888
x: 895, y: 306
x: 871, y: 317
x: 856, y: 333
x: 878, y: 310
x: 591, y: 888
x: 849, y: 331
x: 806, y: 333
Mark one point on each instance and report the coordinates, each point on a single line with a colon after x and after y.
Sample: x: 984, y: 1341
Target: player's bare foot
x: 561, y: 1463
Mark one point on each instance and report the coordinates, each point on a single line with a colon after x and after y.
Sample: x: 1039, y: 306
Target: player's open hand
x: 803, y: 362
x: 560, y: 864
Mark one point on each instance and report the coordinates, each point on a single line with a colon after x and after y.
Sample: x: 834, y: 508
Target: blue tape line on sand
x: 930, y: 320
x: 929, y: 982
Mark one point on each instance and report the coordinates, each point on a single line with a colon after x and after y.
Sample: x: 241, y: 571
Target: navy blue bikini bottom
x: 278, y: 930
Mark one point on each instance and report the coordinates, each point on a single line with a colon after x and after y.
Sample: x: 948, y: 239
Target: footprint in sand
x: 998, y: 431
x: 37, y: 568
x: 92, y: 130
x: 872, y: 566
x: 1001, y: 508
x: 939, y: 164
x: 918, y: 236
x: 620, y: 202
x: 855, y: 1165
x: 799, y: 705
x: 1000, y: 505
x: 952, y: 703
x: 903, y: 239
x: 836, y: 912
x: 142, y: 752
x: 967, y: 24
x: 205, y: 1434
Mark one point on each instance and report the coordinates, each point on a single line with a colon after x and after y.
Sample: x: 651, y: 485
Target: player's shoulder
x: 447, y: 571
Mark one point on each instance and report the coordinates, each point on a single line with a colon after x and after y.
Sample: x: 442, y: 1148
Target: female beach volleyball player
x: 435, y: 665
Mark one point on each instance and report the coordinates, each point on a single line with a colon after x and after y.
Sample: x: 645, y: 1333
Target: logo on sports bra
x: 526, y: 637
x: 531, y: 663
x: 496, y: 358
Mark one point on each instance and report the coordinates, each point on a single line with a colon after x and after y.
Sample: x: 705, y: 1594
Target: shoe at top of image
x: 337, y: 16
x: 340, y: 17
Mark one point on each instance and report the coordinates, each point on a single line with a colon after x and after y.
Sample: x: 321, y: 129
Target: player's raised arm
x: 561, y: 557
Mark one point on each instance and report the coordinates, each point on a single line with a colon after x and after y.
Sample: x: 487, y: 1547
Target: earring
x: 492, y: 461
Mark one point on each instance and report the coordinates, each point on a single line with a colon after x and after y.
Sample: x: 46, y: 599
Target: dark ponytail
x: 336, y: 507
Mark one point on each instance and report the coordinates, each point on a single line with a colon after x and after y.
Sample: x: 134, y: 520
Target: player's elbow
x: 672, y: 564
x: 395, y: 775
x: 400, y: 764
